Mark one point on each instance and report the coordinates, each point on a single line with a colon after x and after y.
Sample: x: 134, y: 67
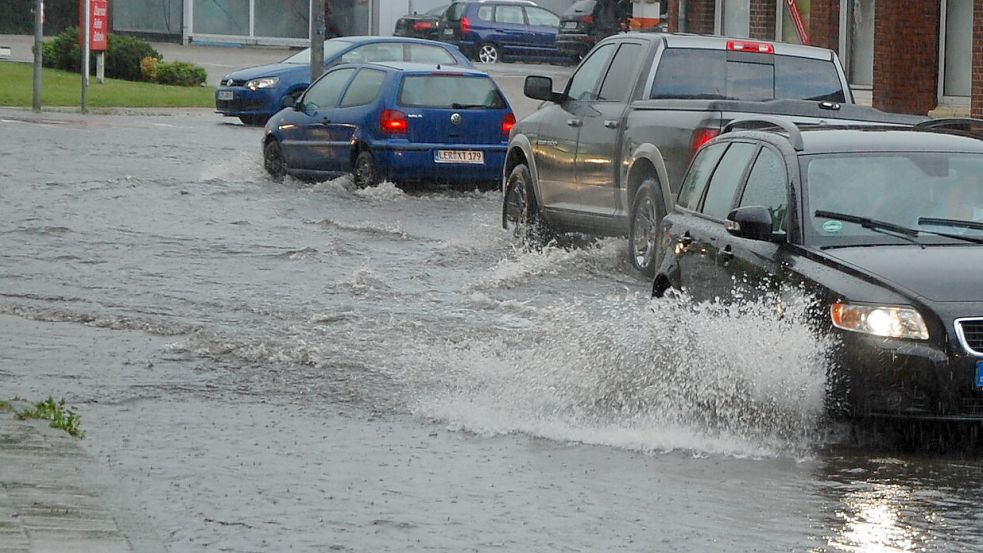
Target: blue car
x: 255, y: 93
x: 497, y: 30
x: 396, y: 121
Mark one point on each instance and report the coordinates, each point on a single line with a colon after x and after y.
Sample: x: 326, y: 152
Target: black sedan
x: 421, y: 25
x: 883, y: 229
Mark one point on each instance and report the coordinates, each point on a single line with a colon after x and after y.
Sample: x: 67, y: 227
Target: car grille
x: 971, y: 334
x: 234, y: 82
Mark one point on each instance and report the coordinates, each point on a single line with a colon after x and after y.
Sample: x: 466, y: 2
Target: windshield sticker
x: 832, y: 226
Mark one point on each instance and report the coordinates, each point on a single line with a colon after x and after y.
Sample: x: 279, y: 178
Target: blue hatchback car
x: 255, y: 93
x: 498, y: 30
x: 395, y: 121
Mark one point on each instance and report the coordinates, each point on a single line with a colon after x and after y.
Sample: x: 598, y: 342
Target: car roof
x: 818, y: 140
x: 715, y: 42
x: 417, y: 67
x: 369, y: 38
x: 523, y: 2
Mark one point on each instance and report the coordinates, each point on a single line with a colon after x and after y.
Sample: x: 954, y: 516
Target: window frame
x: 742, y: 180
x: 378, y: 92
x: 764, y: 146
x: 943, y: 99
x: 600, y: 76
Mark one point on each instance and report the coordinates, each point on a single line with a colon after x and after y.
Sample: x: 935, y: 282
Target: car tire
x: 253, y: 120
x: 520, y: 210
x: 489, y: 52
x: 647, y: 211
x: 273, y: 160
x: 364, y: 172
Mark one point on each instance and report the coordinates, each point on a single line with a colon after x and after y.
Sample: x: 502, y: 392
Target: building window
x: 957, y: 48
x: 221, y: 17
x: 857, y: 41
x: 793, y: 21
x: 733, y: 18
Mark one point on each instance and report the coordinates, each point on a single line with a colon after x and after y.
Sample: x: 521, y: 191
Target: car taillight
x: 422, y: 26
x: 465, y: 25
x: 394, y: 122
x: 587, y: 19
x: 749, y: 46
x: 701, y: 137
x: 508, y: 123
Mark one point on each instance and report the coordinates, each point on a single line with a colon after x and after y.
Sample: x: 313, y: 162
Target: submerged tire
x: 647, y: 211
x: 520, y: 211
x: 364, y: 171
x: 273, y: 160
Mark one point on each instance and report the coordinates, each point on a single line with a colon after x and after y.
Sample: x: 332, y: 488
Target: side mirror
x: 298, y: 105
x: 752, y: 222
x: 540, y: 88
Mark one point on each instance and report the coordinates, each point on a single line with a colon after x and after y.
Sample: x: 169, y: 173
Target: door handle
x: 574, y: 122
x: 727, y: 254
x: 611, y: 124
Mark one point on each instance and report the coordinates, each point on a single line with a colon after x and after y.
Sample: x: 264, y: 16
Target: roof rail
x: 959, y: 124
x: 759, y: 122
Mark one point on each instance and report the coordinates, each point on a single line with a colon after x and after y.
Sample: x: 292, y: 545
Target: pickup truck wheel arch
x: 647, y: 161
x: 520, y: 152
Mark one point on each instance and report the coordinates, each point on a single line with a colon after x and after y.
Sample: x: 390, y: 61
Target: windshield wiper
x: 957, y: 223
x: 875, y: 225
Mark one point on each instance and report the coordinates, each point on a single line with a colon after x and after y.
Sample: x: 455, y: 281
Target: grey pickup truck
x: 606, y: 156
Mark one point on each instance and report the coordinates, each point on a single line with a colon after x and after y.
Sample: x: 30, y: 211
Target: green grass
x: 61, y: 88
x: 62, y: 418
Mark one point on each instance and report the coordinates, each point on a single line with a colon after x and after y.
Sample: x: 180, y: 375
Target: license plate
x: 225, y: 95
x: 979, y: 374
x: 448, y: 32
x: 570, y: 25
x: 476, y: 157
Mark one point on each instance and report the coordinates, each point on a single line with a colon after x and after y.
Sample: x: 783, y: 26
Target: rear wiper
x: 875, y: 225
x: 455, y: 105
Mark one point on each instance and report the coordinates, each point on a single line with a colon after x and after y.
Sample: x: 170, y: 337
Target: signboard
x: 98, y: 24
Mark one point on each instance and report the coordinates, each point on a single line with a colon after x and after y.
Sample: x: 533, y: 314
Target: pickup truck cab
x: 606, y: 156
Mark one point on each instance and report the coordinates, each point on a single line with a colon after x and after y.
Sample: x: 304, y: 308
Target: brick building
x: 909, y: 56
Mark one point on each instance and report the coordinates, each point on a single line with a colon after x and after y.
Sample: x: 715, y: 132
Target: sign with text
x: 98, y: 24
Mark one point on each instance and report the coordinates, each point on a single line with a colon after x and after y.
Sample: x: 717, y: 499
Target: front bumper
x: 245, y: 101
x: 907, y: 380
x: 415, y: 163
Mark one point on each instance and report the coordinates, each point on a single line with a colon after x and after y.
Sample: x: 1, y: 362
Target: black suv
x: 882, y: 228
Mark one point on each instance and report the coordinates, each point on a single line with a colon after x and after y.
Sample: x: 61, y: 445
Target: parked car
x: 490, y: 31
x: 395, y: 121
x: 605, y: 155
x: 425, y: 25
x: 882, y: 226
x: 256, y: 93
x: 575, y: 37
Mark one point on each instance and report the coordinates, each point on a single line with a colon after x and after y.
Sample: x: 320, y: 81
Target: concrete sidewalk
x: 54, y: 498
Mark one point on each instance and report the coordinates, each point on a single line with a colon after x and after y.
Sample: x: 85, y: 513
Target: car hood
x: 270, y: 70
x: 950, y: 273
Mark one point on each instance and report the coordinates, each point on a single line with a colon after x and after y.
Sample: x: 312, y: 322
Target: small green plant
x: 180, y: 73
x: 60, y: 417
x: 5, y: 406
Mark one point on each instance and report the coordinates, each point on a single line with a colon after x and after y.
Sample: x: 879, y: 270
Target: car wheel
x: 364, y: 173
x: 273, y: 160
x: 489, y: 53
x: 520, y: 212
x: 647, y: 211
x: 253, y: 120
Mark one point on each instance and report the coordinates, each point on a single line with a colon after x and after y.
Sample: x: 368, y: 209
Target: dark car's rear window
x: 450, y: 91
x: 745, y: 76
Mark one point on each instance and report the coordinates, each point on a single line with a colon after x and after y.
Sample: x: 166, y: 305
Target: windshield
x: 331, y: 47
x: 450, y: 91
x: 728, y: 76
x: 933, y: 192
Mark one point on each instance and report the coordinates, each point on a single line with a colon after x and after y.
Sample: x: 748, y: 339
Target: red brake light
x: 422, y: 25
x: 465, y: 25
x: 749, y: 46
x: 508, y: 123
x: 587, y: 19
x: 394, y: 122
x: 701, y: 137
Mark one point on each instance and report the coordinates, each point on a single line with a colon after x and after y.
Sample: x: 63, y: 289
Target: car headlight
x: 880, y: 320
x: 265, y: 82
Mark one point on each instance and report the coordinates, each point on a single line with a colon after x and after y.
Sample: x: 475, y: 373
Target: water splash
x: 643, y: 374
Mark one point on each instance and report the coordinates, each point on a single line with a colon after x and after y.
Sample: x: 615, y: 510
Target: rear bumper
x: 907, y: 380
x: 574, y: 44
x: 415, y: 162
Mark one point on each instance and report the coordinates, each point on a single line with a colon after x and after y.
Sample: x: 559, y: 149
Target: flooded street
x: 312, y: 367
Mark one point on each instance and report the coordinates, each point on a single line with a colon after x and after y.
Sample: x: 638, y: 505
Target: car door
x: 511, y: 31
x: 556, y: 144
x: 755, y: 266
x: 356, y: 112
x: 700, y: 273
x: 543, y: 26
x: 599, y: 146
x: 308, y: 144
